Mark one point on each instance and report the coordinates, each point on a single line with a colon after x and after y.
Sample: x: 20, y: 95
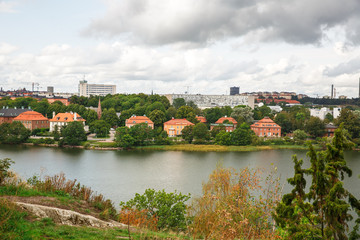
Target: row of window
x: 37, y: 122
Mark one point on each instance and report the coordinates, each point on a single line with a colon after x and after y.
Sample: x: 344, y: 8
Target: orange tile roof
x: 30, y: 116
x: 139, y: 119
x: 201, y: 119
x: 178, y: 122
x: 265, y: 122
x: 66, y: 117
x: 221, y: 120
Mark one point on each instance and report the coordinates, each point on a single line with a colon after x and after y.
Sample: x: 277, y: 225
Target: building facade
x: 229, y: 125
x: 174, y: 127
x: 62, y: 119
x: 33, y: 120
x: 86, y: 89
x: 7, y: 115
x: 266, y: 128
x: 133, y: 120
x: 210, y: 101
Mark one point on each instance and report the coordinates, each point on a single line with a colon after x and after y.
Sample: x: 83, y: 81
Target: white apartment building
x: 86, y: 89
x: 321, y: 113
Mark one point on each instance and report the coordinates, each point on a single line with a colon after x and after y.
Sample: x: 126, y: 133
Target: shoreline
x: 183, y: 147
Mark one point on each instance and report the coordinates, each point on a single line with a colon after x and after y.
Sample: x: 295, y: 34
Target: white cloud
x: 205, y: 21
x: 6, y: 48
x: 7, y: 6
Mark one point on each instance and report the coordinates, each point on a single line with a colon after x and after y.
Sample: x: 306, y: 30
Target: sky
x: 171, y: 46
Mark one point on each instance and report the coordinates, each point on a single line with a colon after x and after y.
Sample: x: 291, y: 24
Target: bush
x: 4, y: 166
x: 229, y: 210
x: 168, y: 209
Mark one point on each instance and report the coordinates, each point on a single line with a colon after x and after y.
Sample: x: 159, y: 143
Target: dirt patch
x: 72, y: 204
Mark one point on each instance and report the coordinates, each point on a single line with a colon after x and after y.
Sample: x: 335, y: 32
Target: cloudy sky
x: 169, y: 46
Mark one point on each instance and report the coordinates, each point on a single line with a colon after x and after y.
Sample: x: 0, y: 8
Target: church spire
x: 99, y: 110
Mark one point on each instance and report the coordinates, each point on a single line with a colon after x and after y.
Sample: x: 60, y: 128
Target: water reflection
x: 121, y: 174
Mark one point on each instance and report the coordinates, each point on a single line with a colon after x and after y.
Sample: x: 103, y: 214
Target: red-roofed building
x: 230, y: 124
x: 266, y: 127
x: 175, y: 126
x: 137, y: 120
x: 62, y: 119
x: 32, y: 120
x: 275, y: 100
x: 201, y: 119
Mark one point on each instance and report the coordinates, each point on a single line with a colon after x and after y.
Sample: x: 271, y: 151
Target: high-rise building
x: 234, y: 90
x: 86, y: 89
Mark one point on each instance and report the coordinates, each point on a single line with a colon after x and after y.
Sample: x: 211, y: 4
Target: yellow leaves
x: 228, y: 209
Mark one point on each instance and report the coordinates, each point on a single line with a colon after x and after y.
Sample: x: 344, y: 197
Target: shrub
x: 4, y: 166
x: 168, y: 209
x: 229, y: 210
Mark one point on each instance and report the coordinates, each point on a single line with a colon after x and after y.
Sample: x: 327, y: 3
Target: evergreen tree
x: 323, y: 212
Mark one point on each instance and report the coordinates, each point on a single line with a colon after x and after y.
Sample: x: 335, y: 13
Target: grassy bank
x: 59, y: 192
x: 217, y: 148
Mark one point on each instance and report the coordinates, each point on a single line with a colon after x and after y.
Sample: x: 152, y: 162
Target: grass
x: 16, y: 224
x: 217, y: 148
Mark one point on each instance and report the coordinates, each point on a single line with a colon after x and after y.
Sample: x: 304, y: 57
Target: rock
x: 68, y: 217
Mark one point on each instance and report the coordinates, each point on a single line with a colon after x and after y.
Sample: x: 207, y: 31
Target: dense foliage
x: 324, y: 212
x: 73, y: 133
x: 228, y: 209
x: 168, y: 209
x: 13, y: 133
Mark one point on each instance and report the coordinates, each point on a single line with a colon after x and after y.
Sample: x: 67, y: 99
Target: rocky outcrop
x: 68, y: 217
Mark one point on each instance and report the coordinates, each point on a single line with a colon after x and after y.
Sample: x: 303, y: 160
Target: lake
x: 118, y: 175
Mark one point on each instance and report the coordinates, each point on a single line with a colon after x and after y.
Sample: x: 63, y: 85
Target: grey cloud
x: 350, y: 67
x: 202, y: 21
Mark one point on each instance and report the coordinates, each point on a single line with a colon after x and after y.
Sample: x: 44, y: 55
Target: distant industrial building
x: 234, y: 90
x: 210, y: 101
x: 86, y: 89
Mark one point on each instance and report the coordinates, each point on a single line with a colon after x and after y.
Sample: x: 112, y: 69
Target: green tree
x: 155, y: 106
x: 201, y: 132
x: 188, y: 113
x: 284, y: 121
x: 243, y: 114
x: 56, y: 133
x: 5, y: 164
x: 123, y: 138
x: 213, y: 114
x: 300, y: 136
x: 168, y: 208
x: 41, y: 106
x: 315, y: 127
x: 179, y: 102
x: 90, y: 116
x: 324, y: 211
x: 242, y: 135
x: 13, y: 133
x: 142, y: 134
x: 158, y: 117
x: 73, y: 133
x: 223, y: 138
x: 188, y: 133
x: 351, y: 122
x: 109, y: 116
x: 100, y: 128
x: 171, y: 112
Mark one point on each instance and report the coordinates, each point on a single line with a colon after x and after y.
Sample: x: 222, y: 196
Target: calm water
x: 119, y: 175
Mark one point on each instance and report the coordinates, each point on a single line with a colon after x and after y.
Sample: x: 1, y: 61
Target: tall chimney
x: 332, y: 91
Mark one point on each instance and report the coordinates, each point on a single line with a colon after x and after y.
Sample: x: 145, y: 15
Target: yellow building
x: 175, y: 126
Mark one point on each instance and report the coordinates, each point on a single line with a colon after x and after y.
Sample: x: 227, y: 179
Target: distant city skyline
x: 171, y: 46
